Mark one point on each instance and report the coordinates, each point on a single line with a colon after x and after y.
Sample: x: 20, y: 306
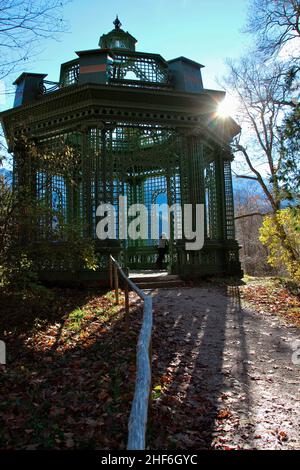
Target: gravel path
x: 227, y: 376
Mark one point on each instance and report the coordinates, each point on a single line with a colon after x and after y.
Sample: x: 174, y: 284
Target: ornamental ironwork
x: 122, y: 123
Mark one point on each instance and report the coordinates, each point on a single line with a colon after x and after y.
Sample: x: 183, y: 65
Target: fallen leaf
x: 223, y: 414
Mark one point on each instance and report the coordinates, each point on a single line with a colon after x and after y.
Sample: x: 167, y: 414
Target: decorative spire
x: 117, y: 23
x: 117, y: 38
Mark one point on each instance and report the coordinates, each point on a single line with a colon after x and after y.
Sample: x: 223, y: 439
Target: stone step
x: 155, y: 281
x: 157, y: 277
x: 159, y: 284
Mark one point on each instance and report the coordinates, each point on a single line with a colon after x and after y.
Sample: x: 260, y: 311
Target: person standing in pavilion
x: 163, y: 249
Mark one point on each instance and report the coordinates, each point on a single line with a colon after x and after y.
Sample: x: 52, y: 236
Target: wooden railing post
x: 126, y: 298
x: 137, y: 423
x: 126, y: 290
x: 151, y: 384
x: 116, y: 279
x: 110, y: 267
x: 139, y: 410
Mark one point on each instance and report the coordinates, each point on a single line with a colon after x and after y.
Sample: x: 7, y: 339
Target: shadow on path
x: 200, y: 355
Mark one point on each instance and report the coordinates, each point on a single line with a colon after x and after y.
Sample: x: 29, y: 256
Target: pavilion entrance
x: 148, y: 173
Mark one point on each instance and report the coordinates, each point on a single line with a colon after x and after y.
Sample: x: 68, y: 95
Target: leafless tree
x: 23, y: 24
x: 275, y: 26
x: 274, y: 23
x: 262, y: 95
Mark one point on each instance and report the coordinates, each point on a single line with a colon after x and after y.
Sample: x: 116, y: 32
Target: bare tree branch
x: 253, y: 178
x: 260, y: 92
x: 251, y: 215
x: 23, y: 25
x: 274, y: 23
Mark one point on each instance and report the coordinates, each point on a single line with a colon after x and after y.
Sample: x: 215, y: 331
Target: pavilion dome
x: 117, y: 38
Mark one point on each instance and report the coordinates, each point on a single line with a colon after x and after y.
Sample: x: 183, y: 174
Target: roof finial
x: 117, y: 23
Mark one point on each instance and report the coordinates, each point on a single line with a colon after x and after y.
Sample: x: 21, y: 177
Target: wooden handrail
x: 137, y: 424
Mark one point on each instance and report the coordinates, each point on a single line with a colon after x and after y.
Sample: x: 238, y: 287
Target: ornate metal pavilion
x: 142, y: 127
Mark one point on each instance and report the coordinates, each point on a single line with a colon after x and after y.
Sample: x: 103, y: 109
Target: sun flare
x: 227, y: 107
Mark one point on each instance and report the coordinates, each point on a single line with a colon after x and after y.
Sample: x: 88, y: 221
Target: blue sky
x: 207, y: 31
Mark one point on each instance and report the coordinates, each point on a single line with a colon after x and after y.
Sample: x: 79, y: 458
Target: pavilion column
x: 104, y: 165
x: 136, y: 196
x: 72, y: 213
x: 220, y: 193
x: 195, y: 153
x: 98, y: 158
x: 192, y: 173
x: 87, y: 170
x: 95, y: 176
x: 231, y: 248
x: 190, y: 149
x: 76, y: 193
x: 228, y: 195
x: 25, y: 187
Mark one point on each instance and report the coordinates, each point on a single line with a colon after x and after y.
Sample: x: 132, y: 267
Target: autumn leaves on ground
x: 273, y: 296
x: 70, y: 373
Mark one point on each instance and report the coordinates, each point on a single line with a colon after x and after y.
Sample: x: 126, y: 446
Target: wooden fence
x: 137, y: 424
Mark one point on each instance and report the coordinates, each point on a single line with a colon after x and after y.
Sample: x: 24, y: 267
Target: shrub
x: 284, y: 250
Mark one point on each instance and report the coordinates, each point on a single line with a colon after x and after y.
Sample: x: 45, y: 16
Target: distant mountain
x: 243, y: 188
x: 6, y: 173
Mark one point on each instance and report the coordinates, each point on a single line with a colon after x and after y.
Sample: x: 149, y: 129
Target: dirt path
x: 226, y: 374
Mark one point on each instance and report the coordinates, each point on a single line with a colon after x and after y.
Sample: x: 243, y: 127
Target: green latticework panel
x: 211, y: 201
x: 149, y: 164
x: 146, y: 163
x: 196, y: 170
x: 137, y: 67
x: 139, y: 162
x: 229, y: 208
x: 155, y: 190
x: 69, y: 74
x: 56, y: 182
